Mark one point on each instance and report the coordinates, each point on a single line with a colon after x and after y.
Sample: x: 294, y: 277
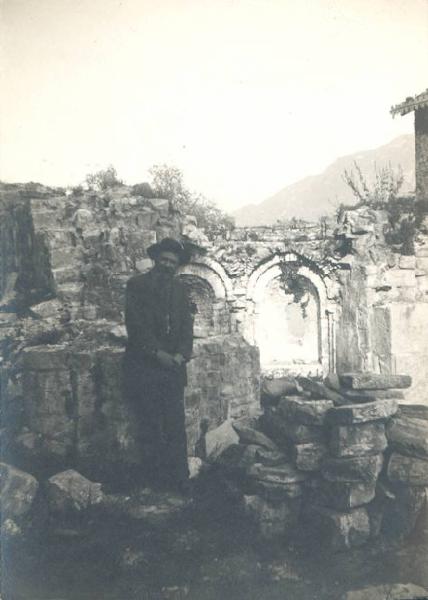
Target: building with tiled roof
x: 419, y: 105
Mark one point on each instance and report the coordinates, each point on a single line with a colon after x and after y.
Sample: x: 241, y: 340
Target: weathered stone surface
x: 283, y: 431
x: 344, y: 495
x: 318, y: 390
x: 278, y: 387
x: 408, y: 470
x: 402, y: 510
x: 278, y: 474
x: 249, y: 435
x: 70, y: 492
x: 359, y: 396
x: 362, y: 413
x: 414, y: 411
x: 306, y: 412
x: 41, y: 358
x: 220, y: 438
x: 272, y: 520
x: 393, y: 591
x: 17, y: 492
x: 408, y: 435
x: 276, y: 492
x: 374, y: 381
x: 357, y: 469
x: 265, y: 457
x: 308, y: 457
x: 354, y: 440
x: 342, y: 530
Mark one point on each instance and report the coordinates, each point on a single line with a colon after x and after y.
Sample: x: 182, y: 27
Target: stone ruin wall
x: 64, y: 264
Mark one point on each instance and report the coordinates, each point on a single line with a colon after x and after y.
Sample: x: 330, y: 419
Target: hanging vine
x: 294, y: 284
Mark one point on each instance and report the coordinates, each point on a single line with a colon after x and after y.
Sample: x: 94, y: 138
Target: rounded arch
x: 265, y: 311
x: 213, y: 273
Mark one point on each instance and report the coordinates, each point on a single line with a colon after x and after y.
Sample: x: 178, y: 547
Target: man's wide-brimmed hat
x: 169, y: 245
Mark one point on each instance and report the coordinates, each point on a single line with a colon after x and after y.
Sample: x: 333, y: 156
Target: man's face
x: 167, y: 262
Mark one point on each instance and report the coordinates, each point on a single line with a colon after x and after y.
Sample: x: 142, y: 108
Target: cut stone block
x: 306, y: 412
x: 276, y: 388
x: 218, y: 439
x: 342, y: 530
x: 374, y: 381
x: 277, y: 492
x: 402, y: 511
x: 249, y: 435
x: 356, y: 469
x: 359, y: 396
x: 303, y: 434
x: 308, y: 457
x: 344, y: 495
x: 393, y: 591
x: 272, y: 520
x: 71, y: 492
x: 414, y: 411
x: 409, y: 436
x: 279, y: 474
x: 45, y: 358
x: 17, y: 492
x: 355, y: 440
x: 318, y: 390
x: 408, y: 470
x: 362, y: 413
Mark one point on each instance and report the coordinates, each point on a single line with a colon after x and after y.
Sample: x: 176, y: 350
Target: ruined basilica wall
x: 64, y: 263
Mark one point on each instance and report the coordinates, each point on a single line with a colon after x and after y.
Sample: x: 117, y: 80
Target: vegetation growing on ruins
x: 167, y: 182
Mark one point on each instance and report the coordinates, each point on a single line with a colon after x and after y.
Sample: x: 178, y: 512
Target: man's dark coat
x: 158, y: 317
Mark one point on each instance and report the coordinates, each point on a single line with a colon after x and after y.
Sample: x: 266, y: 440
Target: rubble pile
x: 342, y: 459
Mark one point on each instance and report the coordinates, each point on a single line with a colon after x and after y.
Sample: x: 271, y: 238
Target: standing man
x: 159, y: 323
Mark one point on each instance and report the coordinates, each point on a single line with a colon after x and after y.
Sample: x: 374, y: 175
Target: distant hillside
x: 318, y: 195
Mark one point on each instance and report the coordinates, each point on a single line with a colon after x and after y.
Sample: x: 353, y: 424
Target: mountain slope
x: 318, y: 195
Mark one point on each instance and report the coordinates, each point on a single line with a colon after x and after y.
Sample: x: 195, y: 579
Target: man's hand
x: 179, y: 359
x: 166, y: 359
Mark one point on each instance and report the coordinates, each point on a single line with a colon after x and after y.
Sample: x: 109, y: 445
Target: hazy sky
x: 245, y: 96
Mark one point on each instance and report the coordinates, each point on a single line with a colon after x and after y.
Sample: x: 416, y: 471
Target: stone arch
x: 270, y: 320
x: 210, y: 291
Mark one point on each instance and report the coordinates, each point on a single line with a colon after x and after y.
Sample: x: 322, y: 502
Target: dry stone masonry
x: 346, y: 471
x: 337, y: 305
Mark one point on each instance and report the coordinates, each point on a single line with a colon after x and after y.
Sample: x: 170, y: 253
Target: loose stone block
x: 217, y: 440
x: 303, y: 434
x: 356, y: 469
x: 409, y: 436
x: 408, y: 470
x: 17, y: 492
x: 354, y: 440
x: 318, y: 390
x: 69, y: 491
x: 342, y: 530
x: 414, y: 411
x: 306, y: 412
x: 308, y: 457
x: 374, y: 381
x: 276, y: 492
x: 285, y: 473
x: 403, y: 510
x: 272, y: 520
x: 359, y: 396
x: 361, y: 413
x: 249, y: 435
x: 343, y: 495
